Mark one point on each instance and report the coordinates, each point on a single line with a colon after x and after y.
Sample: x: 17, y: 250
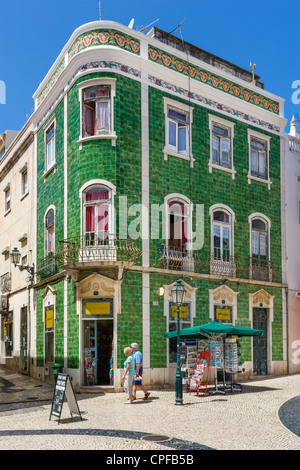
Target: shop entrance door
x: 98, y: 337
x: 260, y: 347
x: 98, y: 328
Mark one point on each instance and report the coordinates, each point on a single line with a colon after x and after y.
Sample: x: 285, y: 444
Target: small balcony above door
x: 101, y: 252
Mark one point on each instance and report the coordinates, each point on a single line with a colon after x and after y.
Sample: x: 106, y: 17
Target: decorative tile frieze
x: 104, y: 37
x: 51, y: 82
x: 211, y: 79
x: 90, y: 67
x: 213, y: 104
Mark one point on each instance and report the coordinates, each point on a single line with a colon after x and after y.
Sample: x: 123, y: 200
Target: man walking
x: 138, y: 359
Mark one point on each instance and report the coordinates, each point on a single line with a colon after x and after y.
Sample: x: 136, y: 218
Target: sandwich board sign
x: 64, y: 388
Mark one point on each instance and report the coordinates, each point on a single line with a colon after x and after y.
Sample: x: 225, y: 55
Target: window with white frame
x: 178, y: 121
x: 50, y: 233
x: 259, y: 148
x: 7, y: 199
x: 178, y: 131
x: 221, y: 144
x: 97, y: 215
x: 97, y: 108
x: 96, y: 111
x: 222, y: 234
x: 259, y: 161
x: 24, y: 183
x: 50, y: 146
x: 221, y: 147
x: 259, y: 239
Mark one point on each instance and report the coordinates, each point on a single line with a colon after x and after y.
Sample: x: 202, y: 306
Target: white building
x: 292, y: 185
x: 17, y: 222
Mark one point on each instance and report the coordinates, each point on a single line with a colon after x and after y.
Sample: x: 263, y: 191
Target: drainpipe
x: 287, y: 328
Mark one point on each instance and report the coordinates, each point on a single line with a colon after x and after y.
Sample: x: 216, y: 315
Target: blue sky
x: 33, y: 33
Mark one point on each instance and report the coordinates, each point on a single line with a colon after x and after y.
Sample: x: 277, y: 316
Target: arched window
x: 259, y: 239
x: 50, y: 232
x: 97, y: 214
x: 222, y: 234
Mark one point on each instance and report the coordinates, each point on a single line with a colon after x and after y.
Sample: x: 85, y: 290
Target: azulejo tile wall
x: 122, y: 166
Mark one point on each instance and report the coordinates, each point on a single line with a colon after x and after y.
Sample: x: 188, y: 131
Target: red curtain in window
x: 90, y: 219
x: 97, y: 194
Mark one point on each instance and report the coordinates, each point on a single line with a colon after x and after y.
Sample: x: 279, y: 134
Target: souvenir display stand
x: 216, y: 349
x: 188, y: 360
x: 199, y: 372
x: 232, y: 364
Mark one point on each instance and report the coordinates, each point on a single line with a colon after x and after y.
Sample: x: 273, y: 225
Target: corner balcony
x: 90, y: 251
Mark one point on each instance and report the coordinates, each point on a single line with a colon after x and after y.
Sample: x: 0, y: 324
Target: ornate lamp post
x: 178, y: 296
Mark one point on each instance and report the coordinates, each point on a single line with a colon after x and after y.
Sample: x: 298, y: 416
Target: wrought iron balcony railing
x: 103, y: 249
x: 262, y: 270
x: 48, y: 267
x: 181, y: 260
x: 5, y: 283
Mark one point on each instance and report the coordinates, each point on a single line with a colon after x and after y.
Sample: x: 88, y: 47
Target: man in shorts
x: 138, y: 358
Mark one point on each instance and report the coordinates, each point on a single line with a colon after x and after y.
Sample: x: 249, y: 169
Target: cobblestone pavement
x: 265, y: 416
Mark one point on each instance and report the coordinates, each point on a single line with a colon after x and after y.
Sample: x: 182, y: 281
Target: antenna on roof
x: 100, y: 9
x: 178, y: 27
x: 145, y: 27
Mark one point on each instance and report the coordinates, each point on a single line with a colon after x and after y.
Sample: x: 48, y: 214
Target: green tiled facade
x: 121, y: 165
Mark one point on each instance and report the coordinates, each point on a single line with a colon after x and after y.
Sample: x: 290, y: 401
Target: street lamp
x: 178, y: 296
x: 15, y: 257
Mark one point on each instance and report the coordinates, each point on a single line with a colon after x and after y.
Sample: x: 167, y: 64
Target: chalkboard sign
x: 63, y: 388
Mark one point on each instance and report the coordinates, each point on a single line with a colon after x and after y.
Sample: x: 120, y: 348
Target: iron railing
x: 216, y: 264
x: 105, y: 248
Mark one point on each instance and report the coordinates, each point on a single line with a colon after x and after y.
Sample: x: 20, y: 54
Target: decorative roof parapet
x: 94, y: 38
x: 178, y: 65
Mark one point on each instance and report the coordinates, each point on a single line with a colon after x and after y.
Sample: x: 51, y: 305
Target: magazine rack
x: 199, y: 372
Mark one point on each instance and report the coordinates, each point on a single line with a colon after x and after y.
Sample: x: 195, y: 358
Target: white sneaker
x: 128, y: 402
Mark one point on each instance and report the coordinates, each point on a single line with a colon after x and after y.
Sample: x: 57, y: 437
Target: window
x: 7, y: 199
x: 259, y: 161
x: 221, y: 144
x: 96, y: 111
x: 50, y: 146
x: 260, y: 265
x: 221, y: 235
x: 24, y: 183
x: 97, y: 213
x: 178, y: 121
x: 178, y: 124
x: 259, y: 148
x: 178, y: 225
x: 185, y: 322
x: 222, y: 241
x: 259, y: 239
x: 221, y: 148
x: 223, y: 313
x: 50, y: 233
